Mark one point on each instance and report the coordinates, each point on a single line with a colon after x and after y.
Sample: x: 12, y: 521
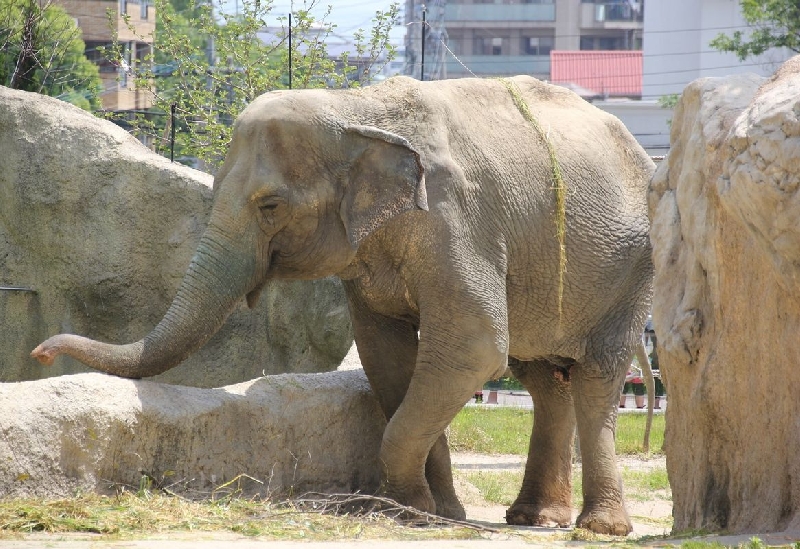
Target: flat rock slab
x: 94, y: 432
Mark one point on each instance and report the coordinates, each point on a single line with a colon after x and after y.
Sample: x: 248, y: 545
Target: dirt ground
x: 651, y: 514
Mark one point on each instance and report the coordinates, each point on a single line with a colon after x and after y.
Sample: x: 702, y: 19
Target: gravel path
x: 468, y: 461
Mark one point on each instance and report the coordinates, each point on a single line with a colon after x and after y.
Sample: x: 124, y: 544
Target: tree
x: 41, y: 51
x: 210, y: 61
x: 775, y: 24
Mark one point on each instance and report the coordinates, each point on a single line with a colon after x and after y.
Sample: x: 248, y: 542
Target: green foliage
x: 775, y: 24
x: 41, y: 51
x: 210, y: 61
x: 507, y: 430
x: 505, y: 383
x: 668, y: 101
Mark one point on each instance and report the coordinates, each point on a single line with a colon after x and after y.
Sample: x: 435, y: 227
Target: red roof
x: 617, y: 72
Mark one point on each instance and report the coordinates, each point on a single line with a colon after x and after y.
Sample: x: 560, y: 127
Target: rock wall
x: 724, y: 207
x: 93, y: 432
x: 103, y: 229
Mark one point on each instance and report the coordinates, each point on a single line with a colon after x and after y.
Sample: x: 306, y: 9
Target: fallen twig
x: 326, y: 503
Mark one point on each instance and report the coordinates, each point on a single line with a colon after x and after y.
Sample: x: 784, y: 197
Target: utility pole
x: 426, y: 39
x: 422, y: 59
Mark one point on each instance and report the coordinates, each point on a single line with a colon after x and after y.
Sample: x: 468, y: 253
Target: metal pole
x: 290, y: 51
x: 172, y: 133
x: 422, y: 64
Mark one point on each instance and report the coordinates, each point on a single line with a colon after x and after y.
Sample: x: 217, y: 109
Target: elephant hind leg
x: 604, y: 509
x: 545, y: 498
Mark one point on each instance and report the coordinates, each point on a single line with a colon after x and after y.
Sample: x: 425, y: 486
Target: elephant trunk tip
x: 47, y: 351
x: 121, y: 360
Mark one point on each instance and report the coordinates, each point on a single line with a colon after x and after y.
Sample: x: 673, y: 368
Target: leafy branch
x: 240, y: 60
x: 774, y: 24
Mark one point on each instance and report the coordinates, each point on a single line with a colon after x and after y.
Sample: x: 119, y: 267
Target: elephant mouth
x: 253, y: 295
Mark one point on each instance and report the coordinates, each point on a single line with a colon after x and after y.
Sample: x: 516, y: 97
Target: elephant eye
x: 269, y: 204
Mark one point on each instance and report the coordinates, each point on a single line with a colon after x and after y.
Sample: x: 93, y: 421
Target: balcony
x: 499, y: 12
x: 611, y: 16
x: 498, y: 65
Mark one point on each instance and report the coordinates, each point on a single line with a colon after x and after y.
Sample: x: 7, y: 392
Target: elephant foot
x: 603, y: 520
x: 418, y: 498
x: 529, y: 514
x: 450, y: 508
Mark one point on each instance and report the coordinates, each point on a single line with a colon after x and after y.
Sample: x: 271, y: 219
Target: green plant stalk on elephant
x: 434, y: 203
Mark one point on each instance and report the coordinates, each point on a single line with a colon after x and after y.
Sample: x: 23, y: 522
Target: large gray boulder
x: 724, y: 207
x: 103, y: 230
x: 93, y: 432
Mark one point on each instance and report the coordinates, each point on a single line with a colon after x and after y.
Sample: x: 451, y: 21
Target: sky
x: 348, y: 15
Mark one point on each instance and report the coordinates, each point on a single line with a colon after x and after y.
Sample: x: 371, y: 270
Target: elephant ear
x: 386, y: 178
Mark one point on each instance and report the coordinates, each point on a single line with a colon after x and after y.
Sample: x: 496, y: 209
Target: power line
x: 444, y: 50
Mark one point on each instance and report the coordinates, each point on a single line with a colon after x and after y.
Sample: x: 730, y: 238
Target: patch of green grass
x: 499, y: 487
x: 491, y: 430
x: 502, y: 487
x: 630, y: 434
x: 641, y: 485
x: 507, y: 430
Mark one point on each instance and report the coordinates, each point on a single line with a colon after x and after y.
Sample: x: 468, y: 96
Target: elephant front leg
x: 439, y: 474
x: 444, y: 380
x: 388, y: 351
x: 546, y: 495
x: 596, y: 398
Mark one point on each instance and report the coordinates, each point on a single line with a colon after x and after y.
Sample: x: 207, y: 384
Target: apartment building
x: 508, y: 37
x: 678, y: 36
x: 119, y: 92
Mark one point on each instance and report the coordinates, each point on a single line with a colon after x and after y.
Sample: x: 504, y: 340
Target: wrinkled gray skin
x: 434, y: 203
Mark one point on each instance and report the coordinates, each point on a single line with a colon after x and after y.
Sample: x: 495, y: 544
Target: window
x: 537, y: 45
x: 488, y: 46
x: 602, y: 43
x: 610, y: 43
x: 93, y: 55
x: 142, y: 52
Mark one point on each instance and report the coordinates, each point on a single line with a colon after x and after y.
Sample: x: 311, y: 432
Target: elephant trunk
x: 214, y: 282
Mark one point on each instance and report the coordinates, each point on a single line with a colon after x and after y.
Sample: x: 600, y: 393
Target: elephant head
x: 298, y: 192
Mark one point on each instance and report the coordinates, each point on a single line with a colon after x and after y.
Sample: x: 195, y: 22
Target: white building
x: 676, y: 40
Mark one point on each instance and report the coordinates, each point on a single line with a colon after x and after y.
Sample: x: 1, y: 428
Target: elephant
x: 470, y: 220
